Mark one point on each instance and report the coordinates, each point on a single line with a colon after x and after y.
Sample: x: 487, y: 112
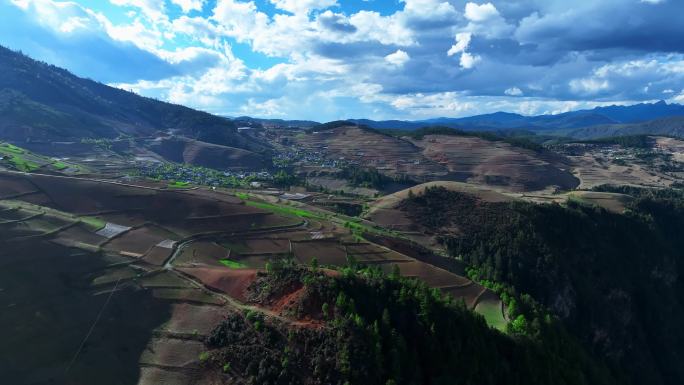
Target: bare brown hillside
x: 441, y: 157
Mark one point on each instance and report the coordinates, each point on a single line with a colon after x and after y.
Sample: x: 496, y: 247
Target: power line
x: 92, y: 327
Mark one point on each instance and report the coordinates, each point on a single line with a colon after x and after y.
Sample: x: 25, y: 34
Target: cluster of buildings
x: 200, y: 175
x: 303, y: 157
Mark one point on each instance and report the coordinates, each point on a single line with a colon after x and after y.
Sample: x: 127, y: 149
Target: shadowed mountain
x: 41, y: 102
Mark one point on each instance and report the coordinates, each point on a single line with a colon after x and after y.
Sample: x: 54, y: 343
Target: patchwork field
x: 439, y: 157
x: 162, y: 278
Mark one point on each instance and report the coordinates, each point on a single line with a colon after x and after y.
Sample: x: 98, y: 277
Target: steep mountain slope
x: 182, y: 150
x: 614, y: 280
x: 41, y: 102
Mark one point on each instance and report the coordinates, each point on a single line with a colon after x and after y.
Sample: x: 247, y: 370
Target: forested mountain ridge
x: 614, y: 280
x: 41, y: 102
x: 360, y: 326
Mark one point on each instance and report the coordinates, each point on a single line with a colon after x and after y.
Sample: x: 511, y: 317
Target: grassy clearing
x: 26, y: 161
x: 492, y: 314
x: 358, y: 227
x: 279, y: 209
x: 232, y: 264
x: 243, y: 196
x: 94, y: 223
x: 21, y: 164
x: 59, y: 165
x: 178, y: 184
x: 285, y: 210
x: 10, y: 149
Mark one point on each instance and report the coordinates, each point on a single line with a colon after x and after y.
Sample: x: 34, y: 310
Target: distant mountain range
x: 560, y: 123
x: 645, y: 118
x: 42, y: 103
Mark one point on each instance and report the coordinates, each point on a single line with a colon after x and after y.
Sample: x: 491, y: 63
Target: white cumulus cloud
x: 303, y: 6
x: 513, y: 91
x: 189, y: 5
x: 462, y: 42
x: 469, y: 60
x: 398, y: 58
x: 479, y: 13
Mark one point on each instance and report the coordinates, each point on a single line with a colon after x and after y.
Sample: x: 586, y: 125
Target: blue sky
x: 380, y: 59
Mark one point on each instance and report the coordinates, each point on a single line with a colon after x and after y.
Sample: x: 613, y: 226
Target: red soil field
x: 172, y: 352
x: 157, y: 255
x: 11, y: 187
x: 327, y: 253
x: 242, y: 223
x: 128, y: 219
x: 232, y: 282
x: 37, y: 199
x: 89, y: 197
x: 190, y: 319
x: 140, y: 240
x: 201, y: 253
x: 164, y: 279
x: 266, y: 246
x: 433, y: 276
x: 188, y: 295
x: 78, y: 234
x: 150, y: 375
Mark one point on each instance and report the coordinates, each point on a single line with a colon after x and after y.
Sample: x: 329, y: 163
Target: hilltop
x: 435, y: 154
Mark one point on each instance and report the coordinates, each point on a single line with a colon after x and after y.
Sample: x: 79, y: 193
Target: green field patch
x: 59, y: 165
x: 26, y: 161
x: 492, y: 314
x: 178, y: 184
x: 21, y: 164
x: 232, y: 264
x: 360, y: 227
x: 243, y: 196
x: 94, y: 223
x: 10, y: 149
x: 278, y: 208
x: 285, y: 210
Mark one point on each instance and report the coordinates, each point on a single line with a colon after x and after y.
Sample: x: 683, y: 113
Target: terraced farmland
x: 444, y: 157
x: 183, y: 269
x: 20, y: 159
x: 482, y: 162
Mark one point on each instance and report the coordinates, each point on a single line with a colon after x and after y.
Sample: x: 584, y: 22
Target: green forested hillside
x: 385, y: 330
x: 613, y: 280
